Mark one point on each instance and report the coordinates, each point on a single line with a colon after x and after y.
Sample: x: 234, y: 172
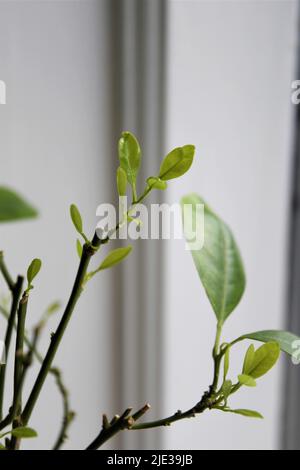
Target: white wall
x: 229, y: 76
x: 55, y: 148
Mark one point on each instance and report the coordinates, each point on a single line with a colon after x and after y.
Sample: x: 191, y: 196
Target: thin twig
x: 5, y: 273
x: 68, y: 414
x: 16, y: 294
x: 117, y: 424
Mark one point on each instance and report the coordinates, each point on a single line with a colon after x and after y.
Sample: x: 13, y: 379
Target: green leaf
x: 247, y: 380
x: 249, y: 358
x: 14, y: 207
x: 130, y: 156
x: 177, y: 162
x: 264, y: 359
x: 53, y: 308
x: 76, y: 218
x: 156, y: 183
x: 247, y: 413
x: 79, y: 248
x: 285, y: 339
x: 24, y: 433
x: 218, y: 262
x: 114, y: 257
x: 33, y: 270
x: 226, y: 362
x: 2, y: 447
x: 121, y: 181
x: 226, y: 388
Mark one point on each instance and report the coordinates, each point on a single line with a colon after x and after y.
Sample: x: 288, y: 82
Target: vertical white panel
x: 230, y: 70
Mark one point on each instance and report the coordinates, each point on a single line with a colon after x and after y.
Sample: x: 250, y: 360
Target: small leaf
x: 24, y: 433
x: 226, y: 362
x: 247, y: 413
x: 79, y: 248
x: 76, y: 218
x: 218, y: 261
x: 114, y: 257
x: 33, y: 270
x: 53, y: 308
x: 264, y: 359
x: 156, y: 183
x: 226, y: 388
x: 177, y: 162
x: 121, y: 181
x: 249, y: 358
x: 14, y: 207
x: 130, y: 156
x: 2, y: 447
x: 285, y: 339
x: 246, y: 380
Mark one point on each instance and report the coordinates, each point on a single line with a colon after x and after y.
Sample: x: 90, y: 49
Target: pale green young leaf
x: 130, y: 156
x: 243, y: 412
x: 177, y: 162
x: 156, y: 183
x: 23, y: 433
x: 218, y: 261
x: 226, y: 388
x: 121, y: 181
x: 247, y: 380
x: 249, y: 358
x: 14, y: 207
x: 115, y: 257
x: 79, y: 248
x: 33, y: 270
x: 76, y: 218
x: 226, y: 362
x: 264, y: 359
x: 53, y: 308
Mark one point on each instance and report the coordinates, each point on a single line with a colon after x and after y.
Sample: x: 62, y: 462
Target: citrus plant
x: 221, y: 271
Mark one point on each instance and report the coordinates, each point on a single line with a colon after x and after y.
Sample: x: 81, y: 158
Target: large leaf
x: 130, y: 156
x: 14, y: 207
x: 218, y: 262
x: 287, y: 341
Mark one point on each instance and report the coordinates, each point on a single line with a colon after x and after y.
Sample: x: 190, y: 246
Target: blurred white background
x: 229, y: 67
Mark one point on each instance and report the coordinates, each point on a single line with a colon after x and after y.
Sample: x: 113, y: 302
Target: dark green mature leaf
x: 156, y: 183
x: 177, y: 162
x: 242, y: 412
x: 14, y: 207
x: 218, y: 262
x: 130, y: 156
x: 24, y: 433
x: 121, y: 181
x: 247, y: 380
x: 285, y: 339
x: 76, y: 218
x: 114, y: 257
x: 264, y: 359
x: 33, y: 270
